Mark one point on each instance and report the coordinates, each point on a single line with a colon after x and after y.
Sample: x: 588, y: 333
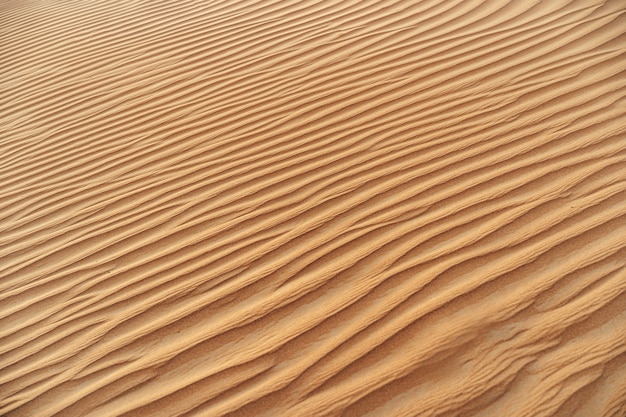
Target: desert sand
x: 313, y: 208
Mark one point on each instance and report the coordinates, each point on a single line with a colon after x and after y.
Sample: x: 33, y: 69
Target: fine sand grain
x: 313, y: 208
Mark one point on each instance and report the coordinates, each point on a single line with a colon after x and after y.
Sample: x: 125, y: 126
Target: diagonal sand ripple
x: 313, y: 208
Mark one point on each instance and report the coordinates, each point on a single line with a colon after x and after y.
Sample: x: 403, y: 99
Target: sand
x: 313, y: 208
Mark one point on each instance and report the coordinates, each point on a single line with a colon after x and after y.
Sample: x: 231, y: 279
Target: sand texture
x: 310, y: 208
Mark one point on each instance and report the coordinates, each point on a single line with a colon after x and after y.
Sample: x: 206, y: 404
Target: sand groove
x: 318, y: 207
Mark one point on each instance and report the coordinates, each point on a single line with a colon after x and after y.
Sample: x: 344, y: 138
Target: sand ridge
x: 307, y: 208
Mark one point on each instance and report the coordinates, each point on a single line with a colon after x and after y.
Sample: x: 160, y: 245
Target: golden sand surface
x: 313, y: 208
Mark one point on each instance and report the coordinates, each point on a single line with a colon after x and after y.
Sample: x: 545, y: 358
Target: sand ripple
x: 313, y: 207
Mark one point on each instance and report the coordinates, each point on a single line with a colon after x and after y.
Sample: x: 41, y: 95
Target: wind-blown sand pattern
x: 313, y: 207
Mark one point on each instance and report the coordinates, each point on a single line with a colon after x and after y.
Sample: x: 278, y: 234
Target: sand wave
x: 308, y: 208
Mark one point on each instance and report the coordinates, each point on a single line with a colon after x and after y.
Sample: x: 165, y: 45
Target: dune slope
x: 313, y: 207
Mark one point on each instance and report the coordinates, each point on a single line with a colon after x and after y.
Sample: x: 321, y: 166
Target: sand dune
x: 313, y: 207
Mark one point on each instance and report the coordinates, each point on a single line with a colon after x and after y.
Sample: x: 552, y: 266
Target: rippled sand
x: 313, y: 207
